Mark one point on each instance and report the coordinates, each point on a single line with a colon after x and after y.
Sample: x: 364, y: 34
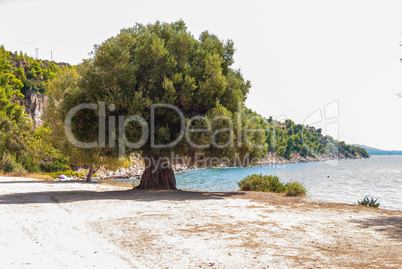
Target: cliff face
x: 34, y: 105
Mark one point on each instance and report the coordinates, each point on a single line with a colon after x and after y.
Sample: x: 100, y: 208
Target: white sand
x: 79, y: 225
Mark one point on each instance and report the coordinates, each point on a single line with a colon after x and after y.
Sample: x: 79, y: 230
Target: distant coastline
x: 375, y: 151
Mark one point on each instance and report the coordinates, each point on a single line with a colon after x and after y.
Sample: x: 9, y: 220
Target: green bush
x: 9, y: 164
x: 270, y: 183
x: 56, y: 164
x: 295, y: 189
x: 256, y: 182
x: 369, y: 202
x: 36, y: 168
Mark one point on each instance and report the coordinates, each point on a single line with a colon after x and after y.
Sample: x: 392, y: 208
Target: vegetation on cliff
x: 286, y: 138
x: 21, y: 147
x: 34, y: 74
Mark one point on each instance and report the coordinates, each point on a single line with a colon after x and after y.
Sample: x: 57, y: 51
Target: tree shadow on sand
x: 87, y: 195
x: 391, y: 225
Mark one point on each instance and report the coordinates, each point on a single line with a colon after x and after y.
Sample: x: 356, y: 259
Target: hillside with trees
x: 23, y: 147
x: 34, y: 74
x: 288, y: 138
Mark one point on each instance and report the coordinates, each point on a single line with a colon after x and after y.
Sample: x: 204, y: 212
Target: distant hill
x: 375, y: 151
x: 30, y: 76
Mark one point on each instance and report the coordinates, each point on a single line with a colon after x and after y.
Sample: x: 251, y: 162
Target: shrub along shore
x: 271, y: 183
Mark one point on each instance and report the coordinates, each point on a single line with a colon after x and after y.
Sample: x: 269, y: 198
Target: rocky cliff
x: 34, y: 104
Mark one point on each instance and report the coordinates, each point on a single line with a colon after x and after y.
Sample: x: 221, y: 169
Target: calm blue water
x: 348, y: 181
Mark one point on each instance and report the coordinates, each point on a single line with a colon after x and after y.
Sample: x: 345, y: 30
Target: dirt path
x: 76, y: 225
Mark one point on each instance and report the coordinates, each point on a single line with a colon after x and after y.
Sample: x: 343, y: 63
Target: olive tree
x: 156, y: 90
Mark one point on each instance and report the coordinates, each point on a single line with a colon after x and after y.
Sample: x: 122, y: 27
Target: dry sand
x: 81, y: 225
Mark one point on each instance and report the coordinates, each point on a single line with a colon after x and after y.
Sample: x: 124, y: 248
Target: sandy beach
x: 83, y: 225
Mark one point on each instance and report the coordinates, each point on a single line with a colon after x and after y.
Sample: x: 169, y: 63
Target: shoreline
x: 135, y: 171
x: 66, y: 224
x: 272, y: 158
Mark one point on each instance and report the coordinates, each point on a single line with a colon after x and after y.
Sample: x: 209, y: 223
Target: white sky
x: 299, y: 55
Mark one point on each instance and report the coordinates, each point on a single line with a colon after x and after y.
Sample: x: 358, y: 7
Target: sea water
x: 341, y: 181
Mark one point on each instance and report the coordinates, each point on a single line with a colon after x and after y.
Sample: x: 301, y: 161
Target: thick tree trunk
x: 157, y: 175
x: 90, y: 173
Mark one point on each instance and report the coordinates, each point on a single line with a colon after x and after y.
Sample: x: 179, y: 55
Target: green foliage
x: 13, y: 121
x: 55, y: 164
x: 18, y: 73
x: 160, y: 63
x: 37, y: 147
x: 286, y: 138
x: 33, y: 74
x: 270, y: 183
x: 64, y: 92
x: 367, y: 201
x: 295, y: 189
x: 256, y: 182
x: 8, y: 163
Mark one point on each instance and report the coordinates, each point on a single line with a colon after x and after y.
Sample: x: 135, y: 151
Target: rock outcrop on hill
x: 34, y: 105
